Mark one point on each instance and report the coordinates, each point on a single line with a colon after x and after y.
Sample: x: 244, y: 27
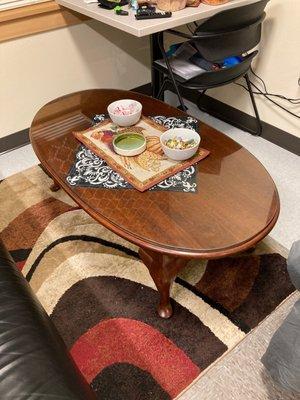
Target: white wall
x: 278, y: 64
x: 38, y: 68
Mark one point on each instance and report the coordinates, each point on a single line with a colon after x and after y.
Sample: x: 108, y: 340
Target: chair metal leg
x: 173, y: 81
x: 182, y: 105
x: 161, y: 93
x: 258, y: 121
x: 199, y: 98
x: 172, y: 78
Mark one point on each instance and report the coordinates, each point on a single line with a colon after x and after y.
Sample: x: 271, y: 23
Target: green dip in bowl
x: 129, y: 144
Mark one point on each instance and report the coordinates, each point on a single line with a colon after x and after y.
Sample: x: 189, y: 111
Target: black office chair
x: 229, y: 33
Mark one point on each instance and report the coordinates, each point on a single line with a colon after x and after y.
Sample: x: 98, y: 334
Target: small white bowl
x: 129, y: 150
x: 125, y: 120
x: 184, y: 134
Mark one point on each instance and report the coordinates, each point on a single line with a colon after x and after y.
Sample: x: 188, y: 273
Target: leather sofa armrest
x: 34, y: 362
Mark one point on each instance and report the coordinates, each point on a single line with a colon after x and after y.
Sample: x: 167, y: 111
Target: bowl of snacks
x: 129, y: 144
x: 179, y: 143
x: 125, y: 112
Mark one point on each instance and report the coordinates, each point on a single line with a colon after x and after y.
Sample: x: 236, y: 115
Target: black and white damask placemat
x: 89, y: 170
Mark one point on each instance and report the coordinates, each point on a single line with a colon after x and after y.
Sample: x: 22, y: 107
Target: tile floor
x: 229, y: 378
x: 17, y: 160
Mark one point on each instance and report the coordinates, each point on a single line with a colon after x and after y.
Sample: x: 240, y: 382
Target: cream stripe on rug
x: 76, y: 222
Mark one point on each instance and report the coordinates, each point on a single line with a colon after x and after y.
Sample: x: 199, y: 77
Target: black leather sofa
x: 34, y: 362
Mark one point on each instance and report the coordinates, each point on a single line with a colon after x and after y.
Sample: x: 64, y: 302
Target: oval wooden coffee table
x: 236, y: 205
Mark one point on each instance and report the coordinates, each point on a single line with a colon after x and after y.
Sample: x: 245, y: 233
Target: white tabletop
x: 145, y: 27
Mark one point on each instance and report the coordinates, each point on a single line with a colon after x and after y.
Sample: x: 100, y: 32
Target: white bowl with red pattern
x: 125, y: 112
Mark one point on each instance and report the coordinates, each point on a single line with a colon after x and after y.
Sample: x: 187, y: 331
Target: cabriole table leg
x: 55, y: 186
x: 163, y: 270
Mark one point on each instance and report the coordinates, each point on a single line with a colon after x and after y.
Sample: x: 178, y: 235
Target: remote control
x: 152, y: 15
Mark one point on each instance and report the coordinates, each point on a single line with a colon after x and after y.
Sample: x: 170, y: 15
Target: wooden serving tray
x: 146, y: 169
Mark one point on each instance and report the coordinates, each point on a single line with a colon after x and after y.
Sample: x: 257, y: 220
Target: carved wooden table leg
x: 55, y: 186
x: 163, y: 270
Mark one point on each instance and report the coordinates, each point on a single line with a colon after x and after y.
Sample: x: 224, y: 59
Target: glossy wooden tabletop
x: 236, y: 205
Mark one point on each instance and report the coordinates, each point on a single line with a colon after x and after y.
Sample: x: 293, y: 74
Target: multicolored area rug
x: 101, y: 298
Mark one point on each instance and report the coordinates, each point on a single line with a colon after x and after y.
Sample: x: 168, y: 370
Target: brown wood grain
x: 236, y: 205
x: 163, y: 270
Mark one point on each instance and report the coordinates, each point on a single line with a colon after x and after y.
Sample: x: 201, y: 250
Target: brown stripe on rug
x: 246, y: 288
